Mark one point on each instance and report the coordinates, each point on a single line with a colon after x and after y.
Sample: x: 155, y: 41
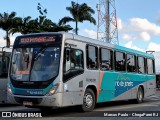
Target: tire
x: 88, y: 101
x: 140, y: 95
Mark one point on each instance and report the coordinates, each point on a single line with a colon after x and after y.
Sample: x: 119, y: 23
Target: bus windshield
x: 35, y: 64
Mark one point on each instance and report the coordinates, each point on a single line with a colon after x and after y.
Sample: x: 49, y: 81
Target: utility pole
x: 107, y: 30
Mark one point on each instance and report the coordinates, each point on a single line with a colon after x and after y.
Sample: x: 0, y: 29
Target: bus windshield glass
x: 35, y: 64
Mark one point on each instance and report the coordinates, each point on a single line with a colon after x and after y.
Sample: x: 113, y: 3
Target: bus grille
x: 33, y: 100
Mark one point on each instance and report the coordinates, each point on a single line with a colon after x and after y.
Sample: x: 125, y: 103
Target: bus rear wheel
x: 140, y: 95
x: 88, y: 100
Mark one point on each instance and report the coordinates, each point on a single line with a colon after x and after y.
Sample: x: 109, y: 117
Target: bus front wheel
x: 88, y: 100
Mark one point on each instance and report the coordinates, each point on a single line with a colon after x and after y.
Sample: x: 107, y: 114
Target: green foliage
x: 41, y: 24
x: 80, y: 13
x: 7, y: 21
x: 12, y: 24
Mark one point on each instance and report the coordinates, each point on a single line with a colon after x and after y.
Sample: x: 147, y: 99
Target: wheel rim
x: 88, y: 100
x: 140, y: 95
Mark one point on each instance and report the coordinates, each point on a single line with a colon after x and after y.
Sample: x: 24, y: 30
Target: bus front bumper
x: 48, y: 101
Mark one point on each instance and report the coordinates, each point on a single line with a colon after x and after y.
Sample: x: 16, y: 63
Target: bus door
x: 73, y: 69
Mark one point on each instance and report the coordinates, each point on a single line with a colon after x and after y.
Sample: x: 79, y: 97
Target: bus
x: 62, y: 69
x: 4, y: 65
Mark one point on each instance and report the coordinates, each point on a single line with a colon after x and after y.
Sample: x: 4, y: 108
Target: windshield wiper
x: 35, y: 57
x: 38, y: 54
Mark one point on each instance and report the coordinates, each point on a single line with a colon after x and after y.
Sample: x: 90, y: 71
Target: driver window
x: 73, y: 62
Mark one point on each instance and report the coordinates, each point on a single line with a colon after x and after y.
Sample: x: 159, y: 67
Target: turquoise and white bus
x: 62, y: 69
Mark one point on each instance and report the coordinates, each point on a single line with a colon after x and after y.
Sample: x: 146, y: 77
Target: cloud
x: 119, y: 24
x: 153, y: 46
x: 139, y: 24
x: 89, y: 33
x: 141, y: 36
x: 144, y: 36
x: 130, y: 45
x: 133, y: 29
x: 138, y: 29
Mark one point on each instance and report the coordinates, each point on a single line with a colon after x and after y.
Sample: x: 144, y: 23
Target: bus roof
x: 96, y: 42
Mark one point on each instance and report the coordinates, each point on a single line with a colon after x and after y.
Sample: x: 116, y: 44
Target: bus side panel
x: 112, y: 86
x: 138, y: 79
x: 107, y: 86
x: 120, y: 86
x: 73, y: 87
x: 72, y: 94
x: 151, y: 85
x: 130, y: 84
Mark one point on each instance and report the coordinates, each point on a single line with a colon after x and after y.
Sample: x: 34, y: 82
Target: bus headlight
x: 9, y: 89
x: 53, y: 90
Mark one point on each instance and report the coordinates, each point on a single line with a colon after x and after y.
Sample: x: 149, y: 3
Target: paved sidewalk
x: 154, y: 97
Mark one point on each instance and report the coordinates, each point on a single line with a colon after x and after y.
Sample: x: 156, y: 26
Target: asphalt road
x: 151, y: 104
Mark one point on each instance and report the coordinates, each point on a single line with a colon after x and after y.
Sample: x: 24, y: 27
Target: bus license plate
x: 27, y: 103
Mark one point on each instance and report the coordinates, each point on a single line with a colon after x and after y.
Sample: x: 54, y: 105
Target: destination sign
x: 36, y: 40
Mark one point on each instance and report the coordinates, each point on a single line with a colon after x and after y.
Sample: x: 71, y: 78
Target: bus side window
x: 73, y: 64
x: 106, y: 61
x: 120, y: 61
x: 66, y: 65
x: 141, y: 65
x: 150, y: 66
x: 92, y: 57
x: 131, y: 63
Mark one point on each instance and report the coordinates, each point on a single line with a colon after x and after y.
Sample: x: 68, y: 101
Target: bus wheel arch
x: 89, y: 98
x: 93, y: 87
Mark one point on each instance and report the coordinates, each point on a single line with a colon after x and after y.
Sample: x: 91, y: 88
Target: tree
x: 80, y: 13
x: 7, y: 22
x: 47, y: 25
x: 41, y: 24
x: 21, y: 25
